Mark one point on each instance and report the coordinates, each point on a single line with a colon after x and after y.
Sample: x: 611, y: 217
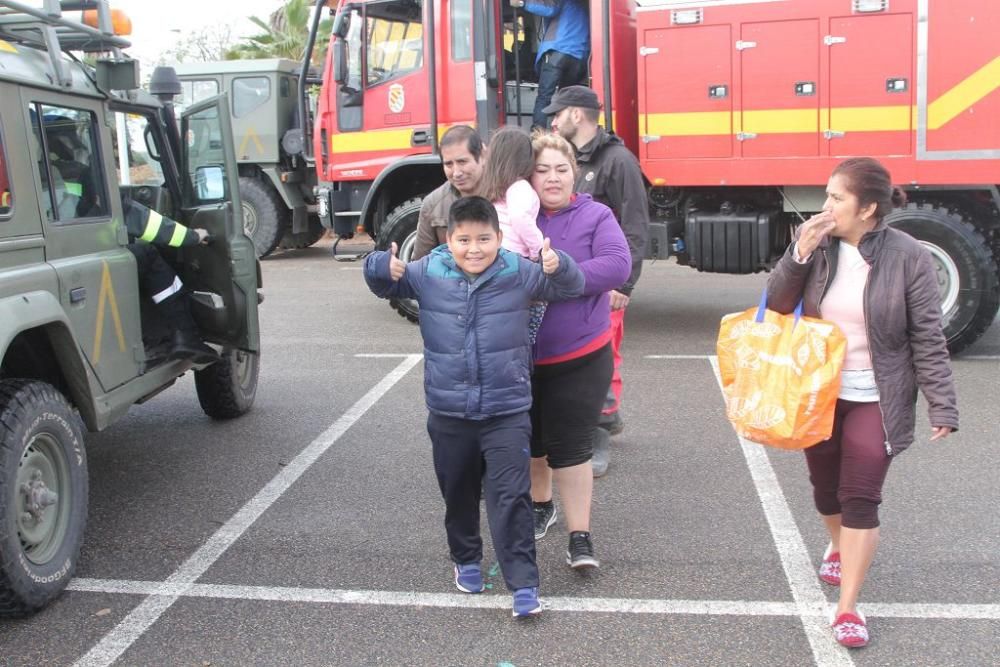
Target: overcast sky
x: 154, y: 22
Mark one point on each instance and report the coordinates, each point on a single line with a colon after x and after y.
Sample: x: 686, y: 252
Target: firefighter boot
x: 187, y: 343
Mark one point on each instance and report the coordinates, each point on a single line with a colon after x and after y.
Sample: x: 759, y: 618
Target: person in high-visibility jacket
x: 78, y: 195
x: 158, y: 280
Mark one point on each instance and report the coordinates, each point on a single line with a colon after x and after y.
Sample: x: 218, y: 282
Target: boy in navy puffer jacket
x: 474, y: 307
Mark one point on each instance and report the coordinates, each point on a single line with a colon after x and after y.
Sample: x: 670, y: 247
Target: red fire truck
x: 737, y: 110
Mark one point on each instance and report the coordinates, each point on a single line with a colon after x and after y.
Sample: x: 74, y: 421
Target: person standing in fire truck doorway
x: 462, y: 153
x: 610, y: 173
x: 563, y: 51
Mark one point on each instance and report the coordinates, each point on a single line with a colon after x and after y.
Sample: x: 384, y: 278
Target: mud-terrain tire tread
x: 18, y: 397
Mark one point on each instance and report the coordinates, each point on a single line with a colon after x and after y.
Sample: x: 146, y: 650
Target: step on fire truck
x: 738, y: 110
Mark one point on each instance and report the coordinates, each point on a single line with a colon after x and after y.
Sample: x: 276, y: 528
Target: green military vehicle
x: 276, y: 181
x: 80, y: 342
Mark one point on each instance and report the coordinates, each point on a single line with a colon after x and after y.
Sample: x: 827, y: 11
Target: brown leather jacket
x: 903, y: 318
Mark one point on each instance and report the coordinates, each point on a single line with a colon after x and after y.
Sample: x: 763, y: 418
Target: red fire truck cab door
x: 779, y: 63
x: 871, y: 86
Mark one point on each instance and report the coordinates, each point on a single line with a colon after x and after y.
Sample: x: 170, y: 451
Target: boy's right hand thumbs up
x: 396, y: 266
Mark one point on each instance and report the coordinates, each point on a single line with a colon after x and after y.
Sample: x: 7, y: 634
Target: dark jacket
x: 903, y: 320
x: 477, y: 355
x: 589, y: 233
x: 145, y: 224
x: 610, y: 173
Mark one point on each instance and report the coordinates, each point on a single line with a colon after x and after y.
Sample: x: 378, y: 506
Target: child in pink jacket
x: 509, y: 164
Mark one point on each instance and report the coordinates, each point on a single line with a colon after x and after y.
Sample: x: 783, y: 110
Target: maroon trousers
x: 847, y: 471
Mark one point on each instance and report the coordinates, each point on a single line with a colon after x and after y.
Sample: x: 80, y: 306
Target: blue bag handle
x: 763, y: 307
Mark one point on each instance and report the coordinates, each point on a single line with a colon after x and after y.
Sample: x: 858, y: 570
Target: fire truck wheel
x: 966, y: 269
x: 401, y: 227
x: 227, y: 388
x: 43, y: 495
x: 265, y: 216
x: 292, y: 241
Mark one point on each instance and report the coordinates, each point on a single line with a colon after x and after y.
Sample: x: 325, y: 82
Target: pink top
x: 844, y: 305
x: 517, y: 212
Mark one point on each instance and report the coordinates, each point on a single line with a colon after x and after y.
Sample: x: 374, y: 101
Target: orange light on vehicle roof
x: 121, y: 24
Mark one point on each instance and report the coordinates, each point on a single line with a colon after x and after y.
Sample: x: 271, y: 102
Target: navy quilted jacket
x: 477, y: 358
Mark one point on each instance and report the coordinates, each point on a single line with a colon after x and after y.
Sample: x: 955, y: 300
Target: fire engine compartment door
x: 779, y: 82
x: 871, y: 86
x: 687, y: 92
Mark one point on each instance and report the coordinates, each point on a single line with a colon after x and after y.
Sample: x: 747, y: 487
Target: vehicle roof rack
x: 45, y: 28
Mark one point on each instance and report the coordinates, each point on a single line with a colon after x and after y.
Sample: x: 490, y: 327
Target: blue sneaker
x: 469, y: 578
x: 526, y: 602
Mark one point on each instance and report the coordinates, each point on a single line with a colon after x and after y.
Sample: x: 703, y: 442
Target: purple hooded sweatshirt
x: 588, y: 232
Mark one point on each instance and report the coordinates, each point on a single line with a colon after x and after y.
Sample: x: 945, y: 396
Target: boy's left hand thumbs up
x: 550, y: 258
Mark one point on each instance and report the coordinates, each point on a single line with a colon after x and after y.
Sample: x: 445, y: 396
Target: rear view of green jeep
x: 82, y: 338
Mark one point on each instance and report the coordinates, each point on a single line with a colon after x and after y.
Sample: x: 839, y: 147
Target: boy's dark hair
x: 475, y: 210
x: 463, y: 134
x: 509, y: 158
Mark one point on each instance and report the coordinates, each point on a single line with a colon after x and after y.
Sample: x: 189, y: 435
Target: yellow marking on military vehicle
x: 107, y: 295
x: 7, y: 46
x: 251, y: 134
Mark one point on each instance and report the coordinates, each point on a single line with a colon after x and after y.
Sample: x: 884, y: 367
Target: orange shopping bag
x: 780, y: 375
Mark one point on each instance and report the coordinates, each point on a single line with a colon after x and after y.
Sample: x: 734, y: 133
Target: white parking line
x: 989, y: 612
x: 809, y: 599
x: 678, y: 356
x: 123, y: 635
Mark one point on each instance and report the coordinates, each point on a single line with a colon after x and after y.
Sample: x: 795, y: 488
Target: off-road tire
x: 39, y: 433
x: 400, y: 227
x: 949, y: 236
x: 265, y: 216
x: 227, y: 388
x: 293, y: 241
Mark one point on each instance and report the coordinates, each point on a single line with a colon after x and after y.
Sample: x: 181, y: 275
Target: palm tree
x: 285, y: 35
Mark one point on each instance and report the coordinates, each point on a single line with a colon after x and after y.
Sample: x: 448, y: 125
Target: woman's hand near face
x: 812, y: 232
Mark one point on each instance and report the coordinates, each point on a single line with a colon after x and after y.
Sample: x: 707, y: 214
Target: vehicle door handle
x: 77, y: 294
x: 420, y: 138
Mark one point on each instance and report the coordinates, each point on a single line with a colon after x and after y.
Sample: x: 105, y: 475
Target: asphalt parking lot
x: 309, y: 532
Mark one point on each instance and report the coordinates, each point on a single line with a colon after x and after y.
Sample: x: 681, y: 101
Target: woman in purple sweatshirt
x: 573, y: 361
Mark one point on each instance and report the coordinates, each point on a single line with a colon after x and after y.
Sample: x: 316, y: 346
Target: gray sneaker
x: 613, y: 423
x: 602, y: 452
x: 545, y: 516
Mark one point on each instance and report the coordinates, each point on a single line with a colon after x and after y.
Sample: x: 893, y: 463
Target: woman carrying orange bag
x: 879, y: 286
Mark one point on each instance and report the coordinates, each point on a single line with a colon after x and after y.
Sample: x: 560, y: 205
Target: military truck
x: 276, y: 182
x: 78, y: 339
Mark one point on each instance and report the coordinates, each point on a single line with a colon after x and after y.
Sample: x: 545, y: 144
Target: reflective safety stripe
x: 153, y: 223
x: 176, y: 287
x: 74, y: 188
x: 180, y: 231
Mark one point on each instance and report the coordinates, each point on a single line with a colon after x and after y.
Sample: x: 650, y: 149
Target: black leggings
x: 566, y: 404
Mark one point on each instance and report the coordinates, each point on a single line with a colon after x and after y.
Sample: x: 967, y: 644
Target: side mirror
x: 340, y: 64
x: 210, y: 183
x: 341, y: 24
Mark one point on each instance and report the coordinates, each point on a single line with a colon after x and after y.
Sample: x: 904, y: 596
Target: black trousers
x: 493, y: 455
x: 566, y: 405
x: 155, y: 275
x: 556, y: 70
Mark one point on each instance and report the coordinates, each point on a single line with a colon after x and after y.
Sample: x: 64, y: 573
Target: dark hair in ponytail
x: 871, y: 183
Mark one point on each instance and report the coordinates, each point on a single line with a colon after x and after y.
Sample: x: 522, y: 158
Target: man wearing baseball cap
x: 563, y: 51
x: 609, y: 172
